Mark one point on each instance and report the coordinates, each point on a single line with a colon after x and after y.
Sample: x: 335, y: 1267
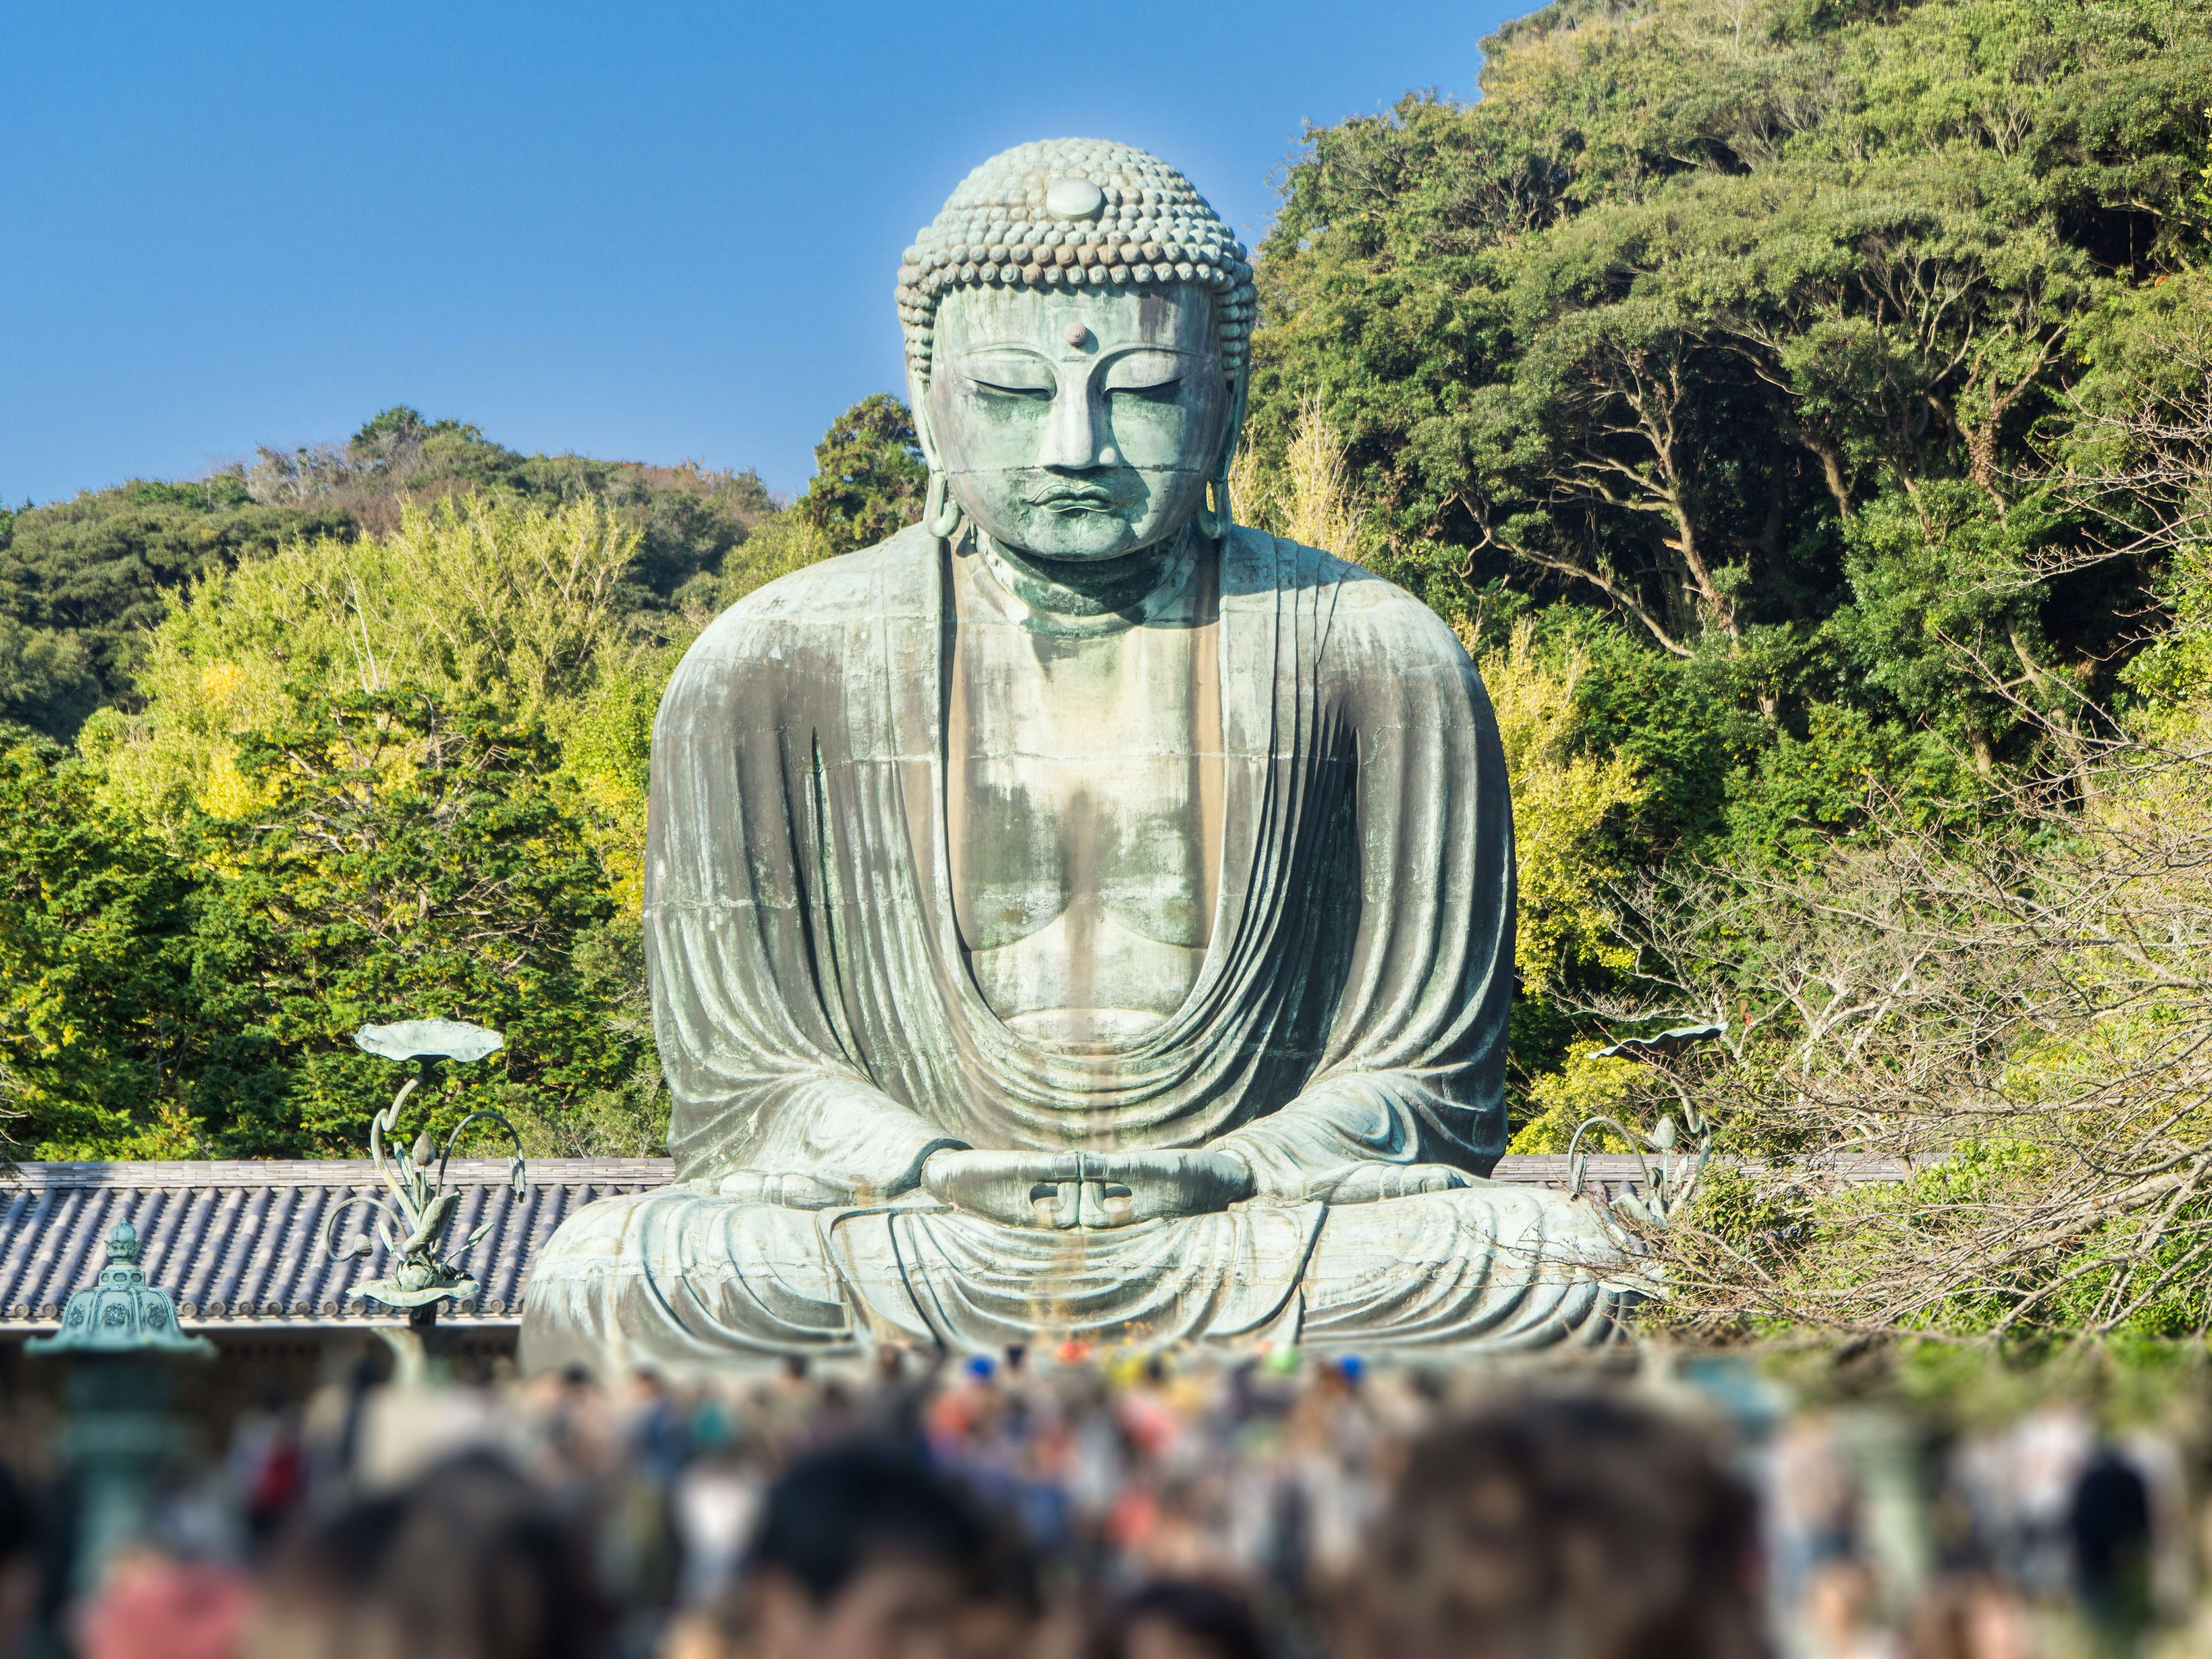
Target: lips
x: 1075, y: 498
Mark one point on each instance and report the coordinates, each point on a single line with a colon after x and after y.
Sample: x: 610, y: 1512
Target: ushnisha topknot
x: 1072, y: 212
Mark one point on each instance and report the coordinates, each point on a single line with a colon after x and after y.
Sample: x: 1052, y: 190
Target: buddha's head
x: 1077, y: 320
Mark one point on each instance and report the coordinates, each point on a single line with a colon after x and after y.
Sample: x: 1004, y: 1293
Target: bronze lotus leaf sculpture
x: 429, y: 1040
x: 411, y: 1223
x: 1668, y: 1186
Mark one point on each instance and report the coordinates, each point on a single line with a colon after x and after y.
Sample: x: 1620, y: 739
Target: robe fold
x: 817, y: 1020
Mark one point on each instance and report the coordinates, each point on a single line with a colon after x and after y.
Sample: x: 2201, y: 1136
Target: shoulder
x: 819, y: 607
x: 831, y: 592
x: 1376, y: 614
x: 1372, y: 622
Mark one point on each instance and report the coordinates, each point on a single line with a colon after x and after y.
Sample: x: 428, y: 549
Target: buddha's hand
x: 1085, y: 1189
x: 1017, y: 1189
x: 1119, y: 1190
x: 1367, y: 1183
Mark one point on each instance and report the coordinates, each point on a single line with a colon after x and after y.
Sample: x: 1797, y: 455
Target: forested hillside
x: 1743, y: 341
x: 83, y: 582
x: 1825, y: 391
x: 1764, y: 360
x: 343, y: 734
x: 1802, y: 411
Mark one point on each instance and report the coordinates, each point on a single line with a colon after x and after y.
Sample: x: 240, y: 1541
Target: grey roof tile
x: 241, y: 1243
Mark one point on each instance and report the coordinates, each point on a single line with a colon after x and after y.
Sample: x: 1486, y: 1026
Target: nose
x: 1077, y: 430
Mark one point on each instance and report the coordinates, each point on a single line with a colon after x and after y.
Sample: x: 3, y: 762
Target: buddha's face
x: 1077, y: 425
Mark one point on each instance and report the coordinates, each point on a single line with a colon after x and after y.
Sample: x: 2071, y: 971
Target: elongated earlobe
x: 1213, y: 516
x: 940, y: 513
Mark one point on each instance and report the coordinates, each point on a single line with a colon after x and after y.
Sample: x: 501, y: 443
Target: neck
x: 1089, y: 587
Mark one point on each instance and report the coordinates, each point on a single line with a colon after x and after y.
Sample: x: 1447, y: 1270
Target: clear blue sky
x: 649, y: 232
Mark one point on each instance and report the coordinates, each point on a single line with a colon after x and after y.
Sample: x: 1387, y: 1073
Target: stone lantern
x: 120, y: 1335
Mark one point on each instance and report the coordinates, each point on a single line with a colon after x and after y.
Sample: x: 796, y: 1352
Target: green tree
x: 412, y: 858
x: 1743, y: 351
x: 84, y: 582
x: 1692, y: 290
x: 47, y: 681
x: 190, y: 994
x: 869, y: 477
x: 100, y: 1022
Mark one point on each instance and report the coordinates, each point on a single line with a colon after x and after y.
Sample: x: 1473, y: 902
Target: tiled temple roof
x: 240, y: 1245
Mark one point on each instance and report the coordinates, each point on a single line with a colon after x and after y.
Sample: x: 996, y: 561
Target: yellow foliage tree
x: 481, y: 596
x: 475, y: 597
x: 1586, y: 1085
x: 1562, y: 796
x: 1312, y: 500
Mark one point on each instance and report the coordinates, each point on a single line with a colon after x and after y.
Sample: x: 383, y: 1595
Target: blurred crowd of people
x: 1132, y: 1506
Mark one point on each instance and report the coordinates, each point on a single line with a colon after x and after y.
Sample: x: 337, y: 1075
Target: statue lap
x: 684, y: 1278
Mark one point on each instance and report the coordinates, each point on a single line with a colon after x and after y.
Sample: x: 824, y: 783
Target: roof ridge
x: 311, y: 1172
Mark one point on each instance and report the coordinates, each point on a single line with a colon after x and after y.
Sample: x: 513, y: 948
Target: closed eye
x: 1165, y: 392
x: 1035, y: 393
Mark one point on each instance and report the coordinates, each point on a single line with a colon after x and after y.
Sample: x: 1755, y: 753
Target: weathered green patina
x: 118, y: 1333
x: 120, y: 1313
x: 1077, y: 916
x: 411, y: 1223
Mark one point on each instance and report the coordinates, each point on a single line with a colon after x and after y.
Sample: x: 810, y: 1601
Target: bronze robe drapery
x: 815, y: 1011
x: 816, y: 1017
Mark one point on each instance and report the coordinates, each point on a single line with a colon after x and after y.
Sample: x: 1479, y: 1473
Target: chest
x: 1070, y: 716
x: 1082, y: 778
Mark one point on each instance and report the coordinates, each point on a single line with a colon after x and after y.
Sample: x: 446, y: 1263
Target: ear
x: 1238, y: 393
x: 941, y: 515
x: 917, y: 403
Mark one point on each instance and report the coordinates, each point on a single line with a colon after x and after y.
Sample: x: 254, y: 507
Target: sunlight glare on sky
x: 650, y: 233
